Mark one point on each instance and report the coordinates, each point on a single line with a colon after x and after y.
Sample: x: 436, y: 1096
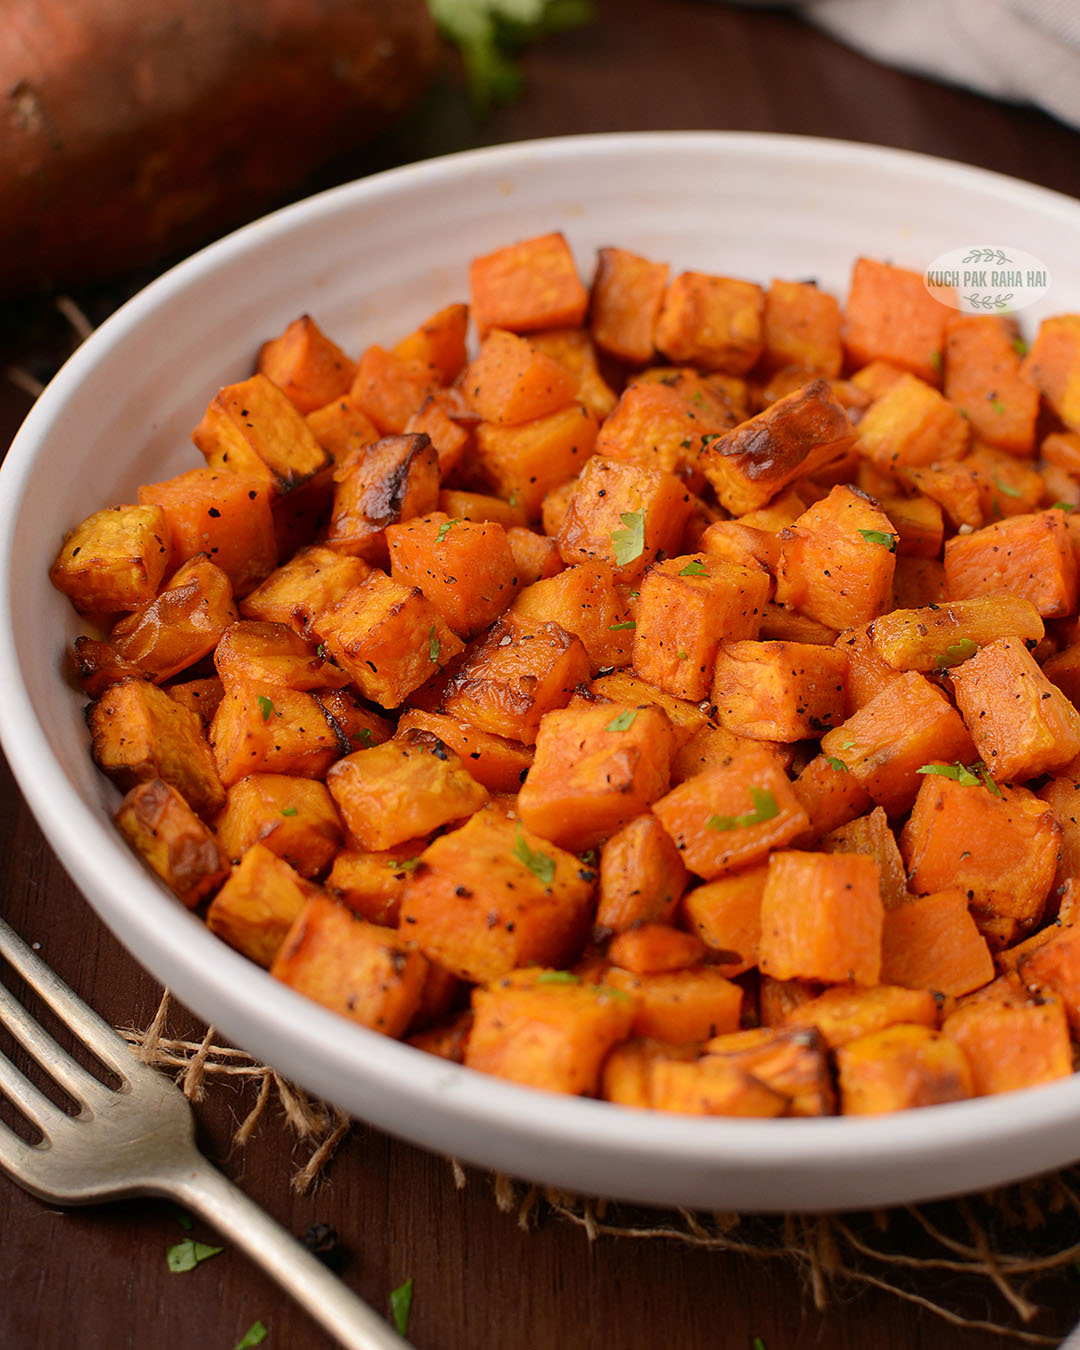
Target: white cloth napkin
x: 1027, y: 51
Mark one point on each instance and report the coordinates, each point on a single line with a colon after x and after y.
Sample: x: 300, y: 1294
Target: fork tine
x: 59, y: 1065
x: 34, y: 1105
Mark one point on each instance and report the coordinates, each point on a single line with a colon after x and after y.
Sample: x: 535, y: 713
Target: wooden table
x: 98, y: 1278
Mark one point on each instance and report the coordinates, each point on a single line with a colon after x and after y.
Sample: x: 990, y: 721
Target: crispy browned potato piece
x: 114, y: 560
x: 257, y: 904
x: 172, y: 840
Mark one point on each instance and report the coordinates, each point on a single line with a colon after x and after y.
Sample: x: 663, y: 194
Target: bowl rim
x: 228, y: 990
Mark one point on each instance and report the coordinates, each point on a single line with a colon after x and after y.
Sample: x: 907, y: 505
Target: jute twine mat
x: 998, y: 1240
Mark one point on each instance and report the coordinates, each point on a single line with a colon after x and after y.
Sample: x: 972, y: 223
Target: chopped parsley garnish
x: 541, y: 865
x: 629, y: 543
x: 998, y: 406
x: 1004, y: 487
x: 880, y: 537
x: 837, y: 764
x: 759, y: 1344
x: 444, y: 530
x: 366, y: 737
x: 288, y: 810
x: 956, y: 771
x: 987, y: 782
x: 266, y: 707
x: 1062, y: 506
x: 683, y: 656
x: 1019, y: 346
x: 320, y: 651
x: 622, y: 721
x: 433, y: 644
x: 401, y: 1305
x: 765, y: 808
x: 255, y: 1335
x: 956, y: 652
x: 558, y: 977
x: 188, y: 1254
x: 512, y: 500
x: 618, y: 627
x: 403, y: 865
x: 694, y: 569
x: 936, y: 361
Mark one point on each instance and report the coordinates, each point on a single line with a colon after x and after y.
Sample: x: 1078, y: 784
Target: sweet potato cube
x: 688, y: 605
x: 932, y: 942
x: 792, y: 438
x: 181, y: 626
x: 732, y: 541
x: 341, y: 426
x: 999, y: 847
x: 388, y: 389
x: 778, y: 691
x: 713, y: 322
x: 438, y: 344
x: 256, y: 906
x: 373, y: 884
x: 653, y: 948
x: 872, y: 835
x: 510, y: 381
x: 848, y: 1012
x: 496, y: 763
x: 627, y: 292
x: 461, y: 505
x: 868, y: 671
x: 837, y: 561
x: 253, y: 429
x: 918, y: 582
x: 1062, y: 794
x: 710, y: 1087
x: 1022, y: 725
x: 802, y: 330
x: 1012, y: 1045
x: 595, y: 770
x: 1054, y: 968
x: 523, y: 463
x: 138, y: 733
x: 912, y: 426
x: 664, y: 425
x: 908, y: 724
x: 1029, y: 556
x: 465, y: 568
x: 260, y: 727
x: 626, y: 1074
x: 536, y: 556
x: 712, y: 745
x: 821, y: 918
x: 732, y: 816
x: 527, y: 286
x: 1052, y: 365
x: 539, y: 1028
x: 641, y: 877
x: 312, y: 580
x: 691, y: 1004
x: 114, y: 560
x: 727, y: 916
x: 513, y: 676
x: 1008, y: 486
x: 306, y: 365
x: 781, y: 624
x: 891, y: 316
x: 451, y: 439
x: 159, y: 825
x: 294, y: 817
x: 899, y: 1068
x: 831, y: 796
x: 792, y: 1062
x: 918, y: 524
x: 573, y: 350
x: 254, y: 649
x: 379, y: 485
x: 584, y: 600
x: 623, y: 686
x: 387, y: 637
x: 200, y: 696
x: 936, y: 637
x: 402, y: 789
x: 623, y: 515
x: 358, y: 969
x: 491, y: 896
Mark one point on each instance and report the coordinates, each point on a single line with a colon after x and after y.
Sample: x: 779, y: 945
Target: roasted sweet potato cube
x: 1029, y: 556
x: 261, y: 727
x: 387, y: 637
x: 935, y: 637
x: 918, y: 524
x: 664, y: 425
x: 831, y: 796
x: 899, y: 1068
x: 252, y: 429
x: 655, y: 948
x: 626, y: 1076
x: 256, y: 906
x: 1053, y: 967
x: 296, y: 592
x: 114, y: 560
x: 402, y: 789
x: 171, y: 839
x: 847, y: 1012
x: 1062, y: 794
x: 447, y: 1038
x: 623, y: 515
x: 378, y: 485
x: 955, y: 487
x: 491, y: 896
x: 524, y: 462
x: 536, y: 556
x: 1052, y: 365
x: 573, y: 350
x: 181, y: 626
x: 479, y: 506
x: 627, y: 291
x: 932, y: 942
x: 451, y: 439
x: 641, y: 876
x: 306, y: 365
x: 97, y: 665
x: 688, y: 605
x: 294, y: 817
x: 341, y: 426
x: 713, y: 322
x: 999, y: 847
x: 527, y: 286
x: 691, y: 1004
x: 1022, y: 725
x: 373, y: 884
x: 356, y: 727
x: 623, y: 686
x: 465, y: 568
x: 710, y: 1087
x: 908, y: 724
x: 510, y: 381
x: 513, y: 676
x: 912, y: 426
x: 792, y: 1062
x: 891, y: 316
x: 388, y: 389
x: 138, y: 733
x: 712, y: 745
x: 359, y: 969
x: 792, y: 438
x: 778, y: 691
x: 595, y: 770
x: 438, y: 344
x: 802, y: 330
x: 543, y: 1029
x: 201, y: 696
x: 732, y: 816
x: 836, y: 938
x: 837, y: 561
x: 1012, y: 1044
x: 781, y: 624
x: 918, y: 582
x: 872, y: 835
x: 1007, y: 486
x: 255, y: 649
x: 585, y: 600
x: 868, y: 671
x: 727, y: 916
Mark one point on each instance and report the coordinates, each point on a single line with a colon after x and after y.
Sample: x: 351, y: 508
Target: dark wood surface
x: 98, y: 1277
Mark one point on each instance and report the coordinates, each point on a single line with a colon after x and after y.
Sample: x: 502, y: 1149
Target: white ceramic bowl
x: 369, y: 261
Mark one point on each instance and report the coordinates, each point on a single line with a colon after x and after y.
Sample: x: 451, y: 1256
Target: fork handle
x: 200, y: 1187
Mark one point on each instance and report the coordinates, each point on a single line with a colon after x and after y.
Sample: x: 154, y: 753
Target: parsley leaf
x: 255, y: 1335
x: 433, y: 644
x: 987, y: 782
x: 366, y: 737
x: 401, y: 1305
x: 956, y: 652
x: 629, y: 543
x: 266, y: 707
x: 558, y: 977
x: 880, y: 537
x: 188, y: 1254
x: 694, y: 569
x: 1004, y: 487
x: 759, y: 1344
x: 288, y: 810
x: 936, y: 361
x: 765, y: 808
x: 1019, y: 346
x: 622, y: 721
x: 320, y: 651
x: 1062, y: 506
x: 403, y: 864
x: 683, y: 656
x: 998, y: 406
x: 955, y: 771
x: 837, y: 764
x: 541, y: 865
x: 618, y: 627
x: 444, y: 530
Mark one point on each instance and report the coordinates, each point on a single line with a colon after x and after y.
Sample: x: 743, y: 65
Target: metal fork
x: 139, y: 1139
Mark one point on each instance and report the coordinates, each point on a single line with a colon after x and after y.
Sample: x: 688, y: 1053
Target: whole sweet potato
x: 131, y: 130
